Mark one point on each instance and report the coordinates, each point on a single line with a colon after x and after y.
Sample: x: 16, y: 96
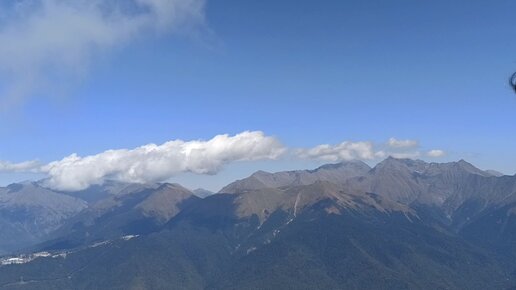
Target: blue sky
x: 305, y: 72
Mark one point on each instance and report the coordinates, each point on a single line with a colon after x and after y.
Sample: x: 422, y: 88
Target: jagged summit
x: 335, y: 173
x: 422, y: 167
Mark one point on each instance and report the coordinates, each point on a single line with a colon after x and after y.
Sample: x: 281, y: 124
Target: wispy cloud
x: 344, y: 151
x: 366, y: 150
x: 45, y: 43
x: 395, y: 143
x: 27, y: 166
x: 436, y: 153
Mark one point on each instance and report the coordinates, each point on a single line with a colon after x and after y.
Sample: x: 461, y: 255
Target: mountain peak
x: 202, y: 193
x: 392, y: 163
x: 261, y: 172
x: 344, y: 164
x: 464, y: 166
x: 172, y: 186
x: 336, y: 173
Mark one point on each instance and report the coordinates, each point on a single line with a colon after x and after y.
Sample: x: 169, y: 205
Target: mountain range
x: 403, y: 224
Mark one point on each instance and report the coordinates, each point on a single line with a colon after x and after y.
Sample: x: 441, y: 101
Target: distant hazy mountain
x: 404, y: 224
x: 109, y: 188
x: 202, y: 193
x: 141, y: 210
x: 29, y: 212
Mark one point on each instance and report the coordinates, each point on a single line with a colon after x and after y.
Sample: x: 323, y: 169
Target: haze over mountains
x: 404, y: 224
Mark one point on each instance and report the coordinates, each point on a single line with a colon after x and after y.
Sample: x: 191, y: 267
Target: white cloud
x: 435, y: 153
x: 395, y: 143
x: 405, y: 155
x: 366, y: 150
x: 45, y: 43
x: 344, y: 151
x: 151, y: 163
x: 27, y: 166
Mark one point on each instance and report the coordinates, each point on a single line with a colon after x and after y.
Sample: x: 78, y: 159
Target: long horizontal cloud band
x: 151, y: 163
x: 159, y: 162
